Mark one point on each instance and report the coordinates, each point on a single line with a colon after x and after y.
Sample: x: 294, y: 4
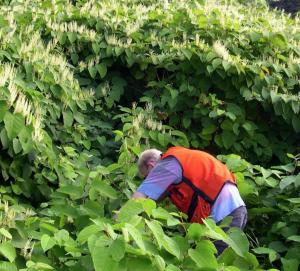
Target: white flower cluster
x: 145, y: 119
x: 108, y: 12
x: 19, y: 101
x: 105, y: 89
x: 16, y: 97
x: 223, y: 53
x: 22, y: 105
x: 179, y: 45
x: 294, y: 59
x: 154, y: 125
x: 6, y: 36
x: 90, y: 9
x: 93, y: 62
x: 72, y: 27
x: 37, y: 125
x: 201, y: 44
x: 7, y: 73
x: 132, y: 27
x: 156, y: 39
x: 114, y: 41
x: 7, y: 217
x: 27, y: 250
x: 41, y: 56
x: 221, y: 50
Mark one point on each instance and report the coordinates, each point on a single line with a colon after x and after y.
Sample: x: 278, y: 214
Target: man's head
x: 147, y: 161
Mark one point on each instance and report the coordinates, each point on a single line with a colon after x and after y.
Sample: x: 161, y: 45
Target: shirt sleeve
x: 228, y: 200
x: 165, y: 173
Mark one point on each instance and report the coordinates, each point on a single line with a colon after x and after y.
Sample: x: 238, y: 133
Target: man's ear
x: 152, y: 163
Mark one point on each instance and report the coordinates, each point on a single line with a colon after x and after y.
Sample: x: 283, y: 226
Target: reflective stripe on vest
x: 203, y: 177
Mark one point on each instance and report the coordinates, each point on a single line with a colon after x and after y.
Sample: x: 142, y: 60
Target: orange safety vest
x: 203, y: 177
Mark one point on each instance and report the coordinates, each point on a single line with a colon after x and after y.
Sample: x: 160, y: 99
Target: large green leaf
x: 204, y: 256
x: 85, y: 233
x: 159, y: 263
x: 5, y: 233
x: 279, y: 40
x: 129, y: 210
x: 93, y: 208
x: 14, y: 123
x: 8, y: 251
x: 4, y: 139
x: 263, y: 250
x: 74, y: 191
x: 296, y: 123
x: 290, y: 264
x: 161, y: 213
x: 118, y: 249
x: 47, y: 242
x: 103, y: 260
x: 157, y: 231
x: 136, y: 235
x: 138, y: 264
x: 295, y: 238
x: 228, y: 139
x: 294, y: 200
x: 7, y: 266
x: 61, y: 237
x: 25, y: 139
x: 286, y: 181
x: 214, y: 231
x: 3, y: 109
x: 172, y: 267
x: 104, y: 189
x: 196, y: 231
x: 17, y: 146
x: 102, y: 69
x: 238, y: 241
x: 171, y: 246
x: 68, y: 118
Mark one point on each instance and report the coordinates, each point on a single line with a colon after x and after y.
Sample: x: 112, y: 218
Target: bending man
x: 196, y: 182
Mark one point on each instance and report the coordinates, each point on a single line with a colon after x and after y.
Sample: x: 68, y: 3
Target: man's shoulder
x: 169, y: 165
x: 169, y: 161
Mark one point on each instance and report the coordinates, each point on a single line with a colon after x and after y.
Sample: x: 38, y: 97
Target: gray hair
x: 146, y: 156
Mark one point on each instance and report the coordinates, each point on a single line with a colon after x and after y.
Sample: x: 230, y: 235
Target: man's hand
x: 138, y: 195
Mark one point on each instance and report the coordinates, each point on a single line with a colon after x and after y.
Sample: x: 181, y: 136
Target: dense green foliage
x: 85, y: 87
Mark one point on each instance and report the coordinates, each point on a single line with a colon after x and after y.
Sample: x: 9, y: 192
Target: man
x: 196, y: 182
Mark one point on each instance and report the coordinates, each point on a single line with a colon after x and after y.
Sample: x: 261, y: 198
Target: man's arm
x: 138, y: 195
x: 165, y: 173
